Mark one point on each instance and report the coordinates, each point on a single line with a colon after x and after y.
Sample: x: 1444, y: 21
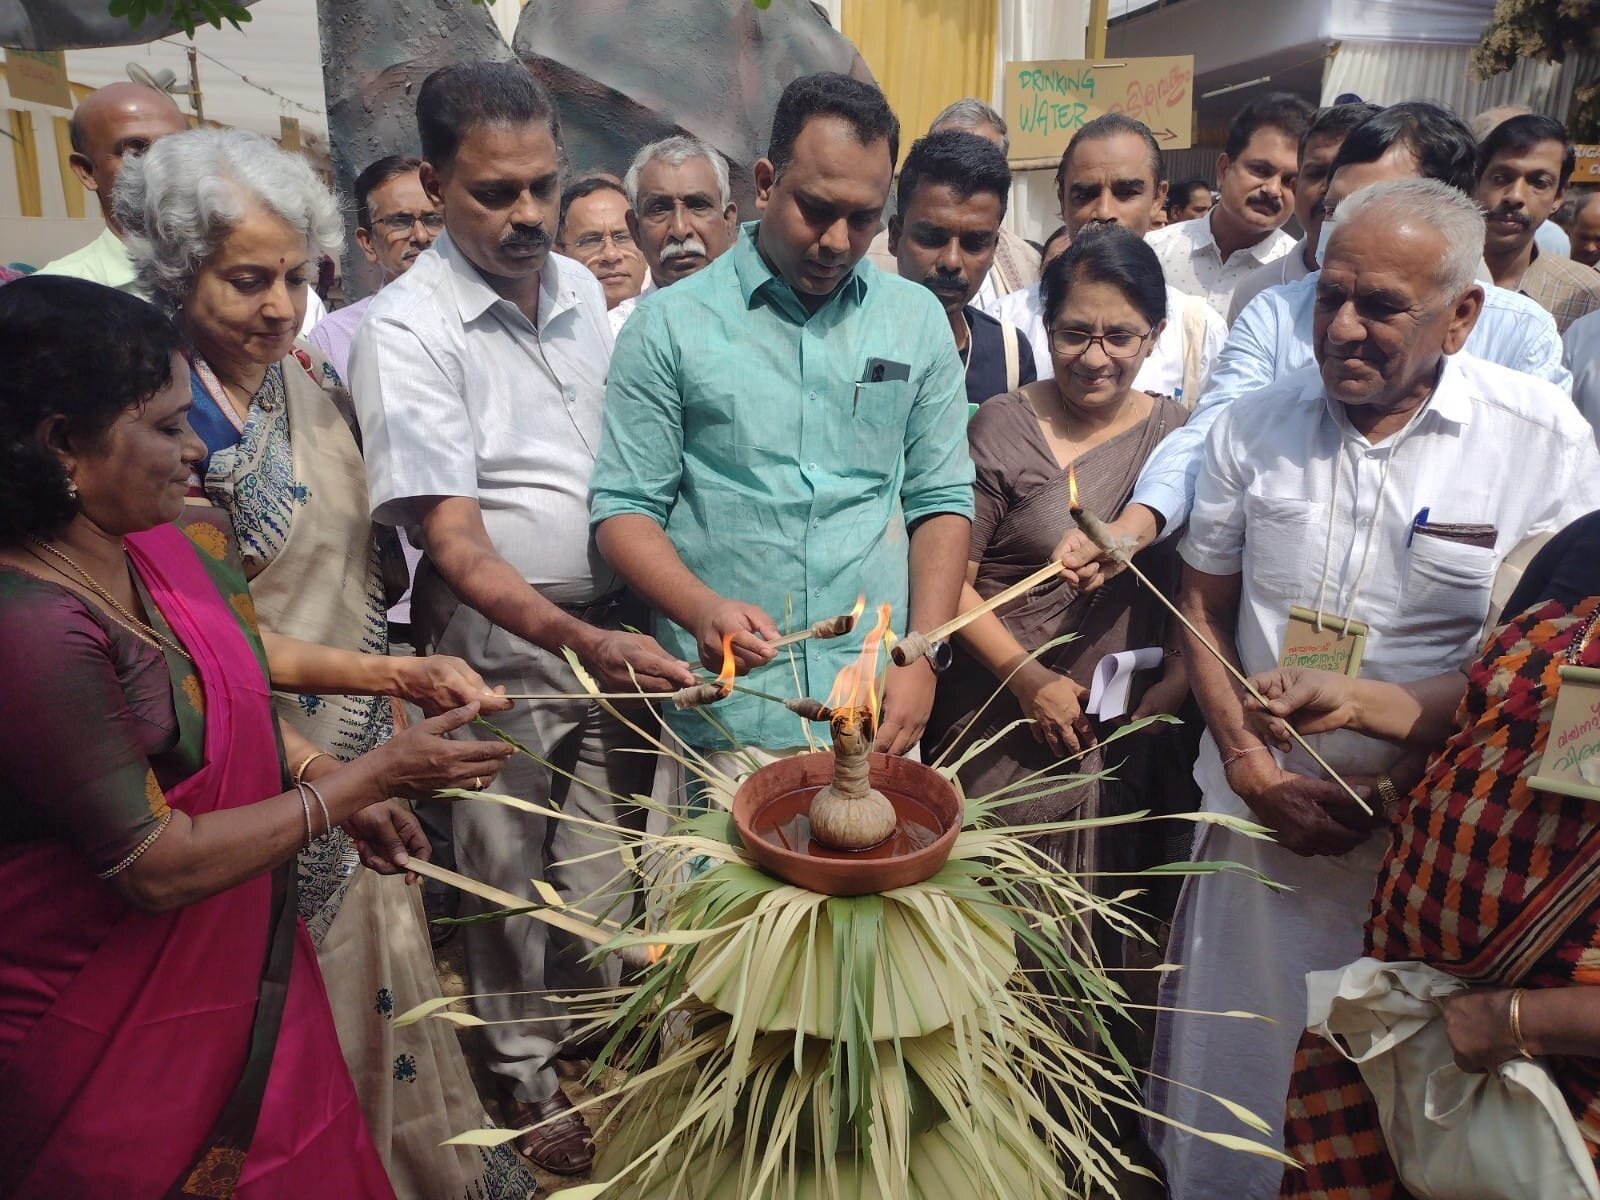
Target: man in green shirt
x: 786, y: 429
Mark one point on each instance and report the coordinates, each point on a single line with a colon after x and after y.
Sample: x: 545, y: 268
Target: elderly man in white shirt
x: 1111, y: 173
x: 680, y: 211
x: 478, y: 377
x: 1243, y: 232
x: 1274, y: 334
x: 1381, y: 486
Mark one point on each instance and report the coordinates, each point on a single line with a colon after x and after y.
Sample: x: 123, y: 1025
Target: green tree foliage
x: 1547, y: 30
x: 187, y: 15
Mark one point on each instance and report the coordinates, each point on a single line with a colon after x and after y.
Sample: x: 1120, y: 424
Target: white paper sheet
x: 1113, y: 681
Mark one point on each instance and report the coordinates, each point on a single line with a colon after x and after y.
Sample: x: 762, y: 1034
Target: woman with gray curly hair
x: 225, y: 230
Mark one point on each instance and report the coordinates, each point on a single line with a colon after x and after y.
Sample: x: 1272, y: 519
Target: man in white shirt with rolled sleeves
x: 1381, y: 486
x: 1111, y: 173
x: 478, y: 377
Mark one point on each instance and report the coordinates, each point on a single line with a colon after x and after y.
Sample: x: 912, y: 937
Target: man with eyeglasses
x: 681, y: 211
x: 594, y: 230
x: 395, y: 222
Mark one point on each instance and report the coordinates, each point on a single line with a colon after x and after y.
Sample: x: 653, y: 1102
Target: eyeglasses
x: 399, y: 224
x: 1121, y: 343
x: 593, y: 243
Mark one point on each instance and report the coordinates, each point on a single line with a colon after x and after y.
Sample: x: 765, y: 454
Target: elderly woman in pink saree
x: 164, y: 1031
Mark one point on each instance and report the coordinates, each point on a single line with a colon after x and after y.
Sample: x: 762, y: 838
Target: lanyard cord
x: 1372, y: 526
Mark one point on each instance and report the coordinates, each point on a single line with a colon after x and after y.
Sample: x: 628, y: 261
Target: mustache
x: 689, y: 245
x: 1507, y: 214
x: 1263, y: 200
x: 940, y: 282
x: 532, y: 237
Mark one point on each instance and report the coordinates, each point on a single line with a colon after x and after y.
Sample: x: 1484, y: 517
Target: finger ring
x: 478, y: 783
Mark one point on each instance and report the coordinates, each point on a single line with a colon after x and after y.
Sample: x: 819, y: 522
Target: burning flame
x: 729, y: 665
x: 653, y: 952
x: 1072, y: 487
x: 857, y: 685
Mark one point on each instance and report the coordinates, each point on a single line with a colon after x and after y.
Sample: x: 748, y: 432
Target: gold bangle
x: 327, y: 820
x: 1515, y: 1012
x: 299, y: 774
x: 139, y: 849
x: 305, y: 807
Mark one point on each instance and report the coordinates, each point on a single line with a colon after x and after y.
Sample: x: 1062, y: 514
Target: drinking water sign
x: 1047, y: 102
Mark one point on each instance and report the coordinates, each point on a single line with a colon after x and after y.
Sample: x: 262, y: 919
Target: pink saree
x: 188, y: 1053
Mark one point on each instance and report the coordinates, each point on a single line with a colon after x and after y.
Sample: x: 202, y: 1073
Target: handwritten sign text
x: 1047, y: 102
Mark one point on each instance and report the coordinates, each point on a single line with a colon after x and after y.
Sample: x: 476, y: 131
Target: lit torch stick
x: 935, y: 644
x: 828, y: 627
x: 719, y: 688
x: 1097, y: 533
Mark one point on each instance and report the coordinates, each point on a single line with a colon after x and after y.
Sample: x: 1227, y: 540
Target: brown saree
x: 1021, y: 514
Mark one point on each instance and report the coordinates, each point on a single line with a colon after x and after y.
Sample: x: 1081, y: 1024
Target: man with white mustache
x: 681, y: 211
x: 1524, y: 165
x: 1209, y: 257
x: 395, y: 222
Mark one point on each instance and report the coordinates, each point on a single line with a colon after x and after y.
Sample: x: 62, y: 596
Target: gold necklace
x: 125, y: 618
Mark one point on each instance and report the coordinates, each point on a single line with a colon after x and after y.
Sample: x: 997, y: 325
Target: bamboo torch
x: 1097, y: 533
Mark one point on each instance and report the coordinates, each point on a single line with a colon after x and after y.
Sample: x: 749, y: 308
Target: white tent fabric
x: 277, y: 49
x: 1441, y: 22
x: 1386, y: 73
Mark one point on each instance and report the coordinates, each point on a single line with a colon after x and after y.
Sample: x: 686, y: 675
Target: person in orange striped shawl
x: 1487, y: 878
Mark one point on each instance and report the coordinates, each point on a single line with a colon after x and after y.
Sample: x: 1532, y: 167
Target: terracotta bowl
x: 844, y: 874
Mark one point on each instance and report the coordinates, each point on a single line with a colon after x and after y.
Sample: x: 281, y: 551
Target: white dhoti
x: 1245, y: 947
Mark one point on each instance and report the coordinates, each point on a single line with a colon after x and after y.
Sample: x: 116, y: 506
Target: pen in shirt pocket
x: 1417, y: 522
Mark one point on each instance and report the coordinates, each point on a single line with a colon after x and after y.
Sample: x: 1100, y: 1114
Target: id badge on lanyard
x: 1320, y: 640
x: 1571, y: 763
x: 1323, y: 642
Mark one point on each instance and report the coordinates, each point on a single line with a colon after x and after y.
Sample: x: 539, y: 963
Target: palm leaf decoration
x: 954, y: 1038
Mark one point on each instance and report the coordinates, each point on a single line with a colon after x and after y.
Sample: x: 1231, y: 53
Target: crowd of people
x: 269, y: 574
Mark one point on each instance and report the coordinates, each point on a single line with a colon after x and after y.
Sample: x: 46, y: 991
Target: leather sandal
x: 563, y: 1146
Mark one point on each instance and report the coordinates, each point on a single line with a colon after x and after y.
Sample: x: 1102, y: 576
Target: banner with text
x: 1586, y: 169
x: 1047, y: 102
x: 39, y: 77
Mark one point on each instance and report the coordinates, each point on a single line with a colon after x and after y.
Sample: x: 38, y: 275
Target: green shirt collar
x: 756, y: 277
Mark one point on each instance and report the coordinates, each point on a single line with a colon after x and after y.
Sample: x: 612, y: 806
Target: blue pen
x: 1417, y: 522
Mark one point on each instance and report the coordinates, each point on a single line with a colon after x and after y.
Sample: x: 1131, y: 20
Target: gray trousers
x: 507, y: 848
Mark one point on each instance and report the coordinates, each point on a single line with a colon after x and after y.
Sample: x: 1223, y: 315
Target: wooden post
x: 1095, y: 42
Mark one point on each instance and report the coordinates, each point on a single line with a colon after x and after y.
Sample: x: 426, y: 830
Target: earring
x: 72, y: 490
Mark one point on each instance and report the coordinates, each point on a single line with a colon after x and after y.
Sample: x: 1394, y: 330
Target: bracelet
x: 139, y: 849
x: 1238, y: 754
x: 1515, y: 1013
x: 1388, y: 794
x: 305, y: 806
x: 299, y: 774
x: 327, y: 821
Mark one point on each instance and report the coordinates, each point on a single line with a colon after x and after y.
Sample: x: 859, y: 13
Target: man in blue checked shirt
x: 786, y: 429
